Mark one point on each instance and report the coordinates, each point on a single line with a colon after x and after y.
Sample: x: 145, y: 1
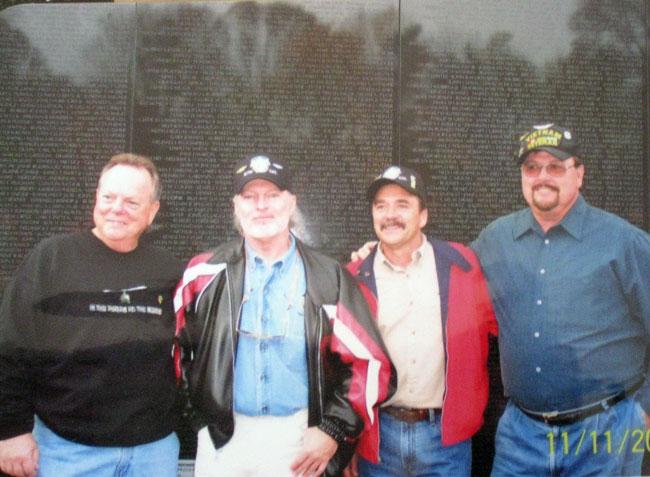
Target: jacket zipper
x: 444, y: 396
x: 319, y: 366
x: 233, y: 319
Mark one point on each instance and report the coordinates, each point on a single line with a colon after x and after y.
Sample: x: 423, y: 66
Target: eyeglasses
x: 266, y: 337
x: 553, y: 169
x: 282, y: 331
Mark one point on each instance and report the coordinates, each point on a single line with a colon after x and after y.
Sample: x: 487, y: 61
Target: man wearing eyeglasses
x: 287, y: 365
x: 570, y: 285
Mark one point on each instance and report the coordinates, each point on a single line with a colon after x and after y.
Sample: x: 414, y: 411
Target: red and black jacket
x: 349, y: 374
x: 467, y: 319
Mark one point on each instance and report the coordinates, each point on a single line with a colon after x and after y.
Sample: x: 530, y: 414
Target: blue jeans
x: 611, y: 442
x: 407, y: 450
x: 59, y: 457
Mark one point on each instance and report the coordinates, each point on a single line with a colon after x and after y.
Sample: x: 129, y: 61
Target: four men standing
x: 285, y: 364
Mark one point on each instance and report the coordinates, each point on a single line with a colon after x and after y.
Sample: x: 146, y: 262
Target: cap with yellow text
x: 556, y: 140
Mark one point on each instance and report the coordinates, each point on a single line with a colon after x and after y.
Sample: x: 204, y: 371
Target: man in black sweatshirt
x: 86, y: 379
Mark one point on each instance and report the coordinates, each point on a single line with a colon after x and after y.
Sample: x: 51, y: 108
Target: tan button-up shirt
x: 410, y: 323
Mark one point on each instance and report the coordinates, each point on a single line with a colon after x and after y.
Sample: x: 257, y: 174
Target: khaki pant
x: 261, y: 446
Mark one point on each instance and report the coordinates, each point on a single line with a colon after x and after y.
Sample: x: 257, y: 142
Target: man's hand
x: 19, y: 456
x: 364, y: 251
x: 317, y: 450
x: 352, y: 469
x: 647, y: 420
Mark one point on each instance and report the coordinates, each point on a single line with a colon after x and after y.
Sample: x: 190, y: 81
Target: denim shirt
x: 271, y: 361
x: 573, y: 306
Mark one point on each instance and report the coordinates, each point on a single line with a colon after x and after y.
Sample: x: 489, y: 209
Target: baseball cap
x: 260, y: 167
x: 556, y: 140
x: 405, y: 177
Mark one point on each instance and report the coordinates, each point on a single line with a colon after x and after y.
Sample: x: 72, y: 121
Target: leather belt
x: 563, y: 418
x: 410, y: 415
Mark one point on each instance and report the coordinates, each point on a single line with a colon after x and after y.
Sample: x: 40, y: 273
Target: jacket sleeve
x: 197, y: 275
x: 371, y: 377
x: 482, y: 294
x: 16, y: 349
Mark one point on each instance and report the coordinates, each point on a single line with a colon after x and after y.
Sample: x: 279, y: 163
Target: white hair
x: 297, y: 225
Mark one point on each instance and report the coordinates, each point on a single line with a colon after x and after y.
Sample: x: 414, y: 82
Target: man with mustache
x: 570, y: 285
x: 434, y: 314
x: 288, y: 364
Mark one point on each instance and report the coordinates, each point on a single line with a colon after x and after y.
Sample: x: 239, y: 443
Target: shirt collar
x: 282, y: 264
x: 571, y: 223
x: 416, y: 255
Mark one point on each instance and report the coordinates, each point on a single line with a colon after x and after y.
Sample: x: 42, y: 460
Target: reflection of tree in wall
x: 197, y: 89
x: 461, y: 109
x: 211, y: 88
x: 21, y: 63
x: 458, y: 107
x: 609, y: 53
x: 52, y: 138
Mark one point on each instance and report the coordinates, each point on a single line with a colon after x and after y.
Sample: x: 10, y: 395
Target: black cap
x: 408, y: 179
x: 260, y: 167
x: 556, y: 140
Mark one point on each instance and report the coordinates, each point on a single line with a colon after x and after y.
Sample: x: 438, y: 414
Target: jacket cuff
x: 332, y: 428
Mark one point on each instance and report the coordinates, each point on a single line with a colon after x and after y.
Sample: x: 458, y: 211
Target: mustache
x: 392, y: 223
x: 545, y: 184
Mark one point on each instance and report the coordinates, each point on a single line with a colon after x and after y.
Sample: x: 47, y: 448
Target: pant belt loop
x: 605, y: 405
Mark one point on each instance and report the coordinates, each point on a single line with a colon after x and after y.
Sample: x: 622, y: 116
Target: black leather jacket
x: 208, y: 305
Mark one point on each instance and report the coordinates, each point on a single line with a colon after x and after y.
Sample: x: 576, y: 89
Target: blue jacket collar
x: 445, y: 255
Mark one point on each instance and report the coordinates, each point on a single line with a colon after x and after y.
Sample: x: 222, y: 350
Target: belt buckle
x: 409, y: 415
x: 546, y: 416
x: 413, y: 415
x: 604, y: 404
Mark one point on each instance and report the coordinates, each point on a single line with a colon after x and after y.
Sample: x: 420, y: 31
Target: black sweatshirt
x: 85, y: 343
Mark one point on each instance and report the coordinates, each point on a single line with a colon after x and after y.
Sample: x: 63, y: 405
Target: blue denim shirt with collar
x: 573, y: 306
x: 271, y: 361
